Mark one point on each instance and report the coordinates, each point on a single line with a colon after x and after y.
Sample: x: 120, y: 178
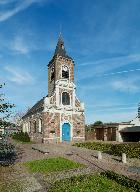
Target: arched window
x: 65, y: 98
x: 40, y: 126
x: 29, y: 126
x: 52, y: 73
x: 65, y: 72
x: 34, y: 126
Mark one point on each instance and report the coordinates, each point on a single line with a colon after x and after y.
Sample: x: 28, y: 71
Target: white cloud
x: 130, y: 84
x: 19, y: 76
x: 99, y: 67
x: 19, y: 45
x: 121, y: 72
x: 18, y: 5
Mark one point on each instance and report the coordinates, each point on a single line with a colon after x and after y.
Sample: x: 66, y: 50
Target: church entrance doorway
x: 66, y: 132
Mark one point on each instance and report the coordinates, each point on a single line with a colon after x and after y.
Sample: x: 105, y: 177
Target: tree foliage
x: 5, y: 110
x: 98, y: 123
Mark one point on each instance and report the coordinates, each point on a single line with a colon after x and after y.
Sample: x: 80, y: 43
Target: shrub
x: 123, y: 180
x: 132, y: 150
x: 95, y: 146
x: 7, y: 154
x: 21, y: 136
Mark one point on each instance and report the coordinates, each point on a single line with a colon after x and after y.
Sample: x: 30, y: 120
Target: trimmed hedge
x: 123, y: 180
x: 95, y: 146
x: 21, y: 136
x: 132, y: 150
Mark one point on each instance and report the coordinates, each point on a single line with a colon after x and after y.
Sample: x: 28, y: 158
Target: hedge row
x: 123, y: 180
x: 95, y: 146
x: 21, y: 136
x: 132, y: 150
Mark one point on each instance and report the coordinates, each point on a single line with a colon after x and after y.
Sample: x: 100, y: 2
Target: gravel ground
x: 40, y: 182
x: 89, y: 158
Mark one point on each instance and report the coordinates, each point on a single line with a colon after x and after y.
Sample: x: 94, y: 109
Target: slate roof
x: 131, y: 129
x: 36, y: 108
x: 60, y: 49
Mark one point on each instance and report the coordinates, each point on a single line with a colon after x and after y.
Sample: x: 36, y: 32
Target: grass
x: 12, y: 186
x: 51, y: 165
x: 88, y: 183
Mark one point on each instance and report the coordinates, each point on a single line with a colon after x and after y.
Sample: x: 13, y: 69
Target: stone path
x: 89, y: 158
x: 40, y: 182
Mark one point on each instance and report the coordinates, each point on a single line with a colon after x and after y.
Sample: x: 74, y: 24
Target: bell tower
x: 63, y: 112
x: 61, y: 67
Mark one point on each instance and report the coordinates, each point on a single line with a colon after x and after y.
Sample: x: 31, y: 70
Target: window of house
x: 65, y: 98
x: 40, y: 126
x: 35, y: 126
x: 29, y: 126
x: 65, y: 72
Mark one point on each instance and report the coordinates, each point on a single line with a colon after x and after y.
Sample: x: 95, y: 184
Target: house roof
x: 131, y: 129
x: 36, y: 108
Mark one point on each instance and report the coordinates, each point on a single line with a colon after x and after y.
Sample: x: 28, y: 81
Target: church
x: 59, y: 116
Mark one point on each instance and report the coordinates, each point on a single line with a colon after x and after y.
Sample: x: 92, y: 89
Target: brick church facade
x: 59, y: 116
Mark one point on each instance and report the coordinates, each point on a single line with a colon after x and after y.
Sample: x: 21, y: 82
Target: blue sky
x: 102, y: 36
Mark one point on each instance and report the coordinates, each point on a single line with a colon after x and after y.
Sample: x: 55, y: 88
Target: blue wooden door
x: 66, y: 132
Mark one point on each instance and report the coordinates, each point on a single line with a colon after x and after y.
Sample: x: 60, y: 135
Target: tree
x: 17, y: 119
x: 5, y: 110
x: 98, y: 123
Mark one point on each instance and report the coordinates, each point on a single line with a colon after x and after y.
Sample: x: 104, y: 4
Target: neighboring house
x: 104, y: 132
x: 59, y: 116
x: 12, y: 129
x: 130, y: 131
x: 121, y: 132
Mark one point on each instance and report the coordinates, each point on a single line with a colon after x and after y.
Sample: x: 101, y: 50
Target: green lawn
x: 51, y: 165
x: 86, y: 183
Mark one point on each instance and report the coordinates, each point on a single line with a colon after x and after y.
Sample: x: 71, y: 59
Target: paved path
x: 89, y: 158
x: 39, y: 182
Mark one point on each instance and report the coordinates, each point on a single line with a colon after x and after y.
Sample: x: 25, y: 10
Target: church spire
x: 60, y: 49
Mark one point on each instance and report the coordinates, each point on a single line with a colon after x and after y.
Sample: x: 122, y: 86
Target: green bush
x: 7, y: 153
x: 95, y: 146
x: 123, y: 180
x: 132, y: 150
x: 21, y: 136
